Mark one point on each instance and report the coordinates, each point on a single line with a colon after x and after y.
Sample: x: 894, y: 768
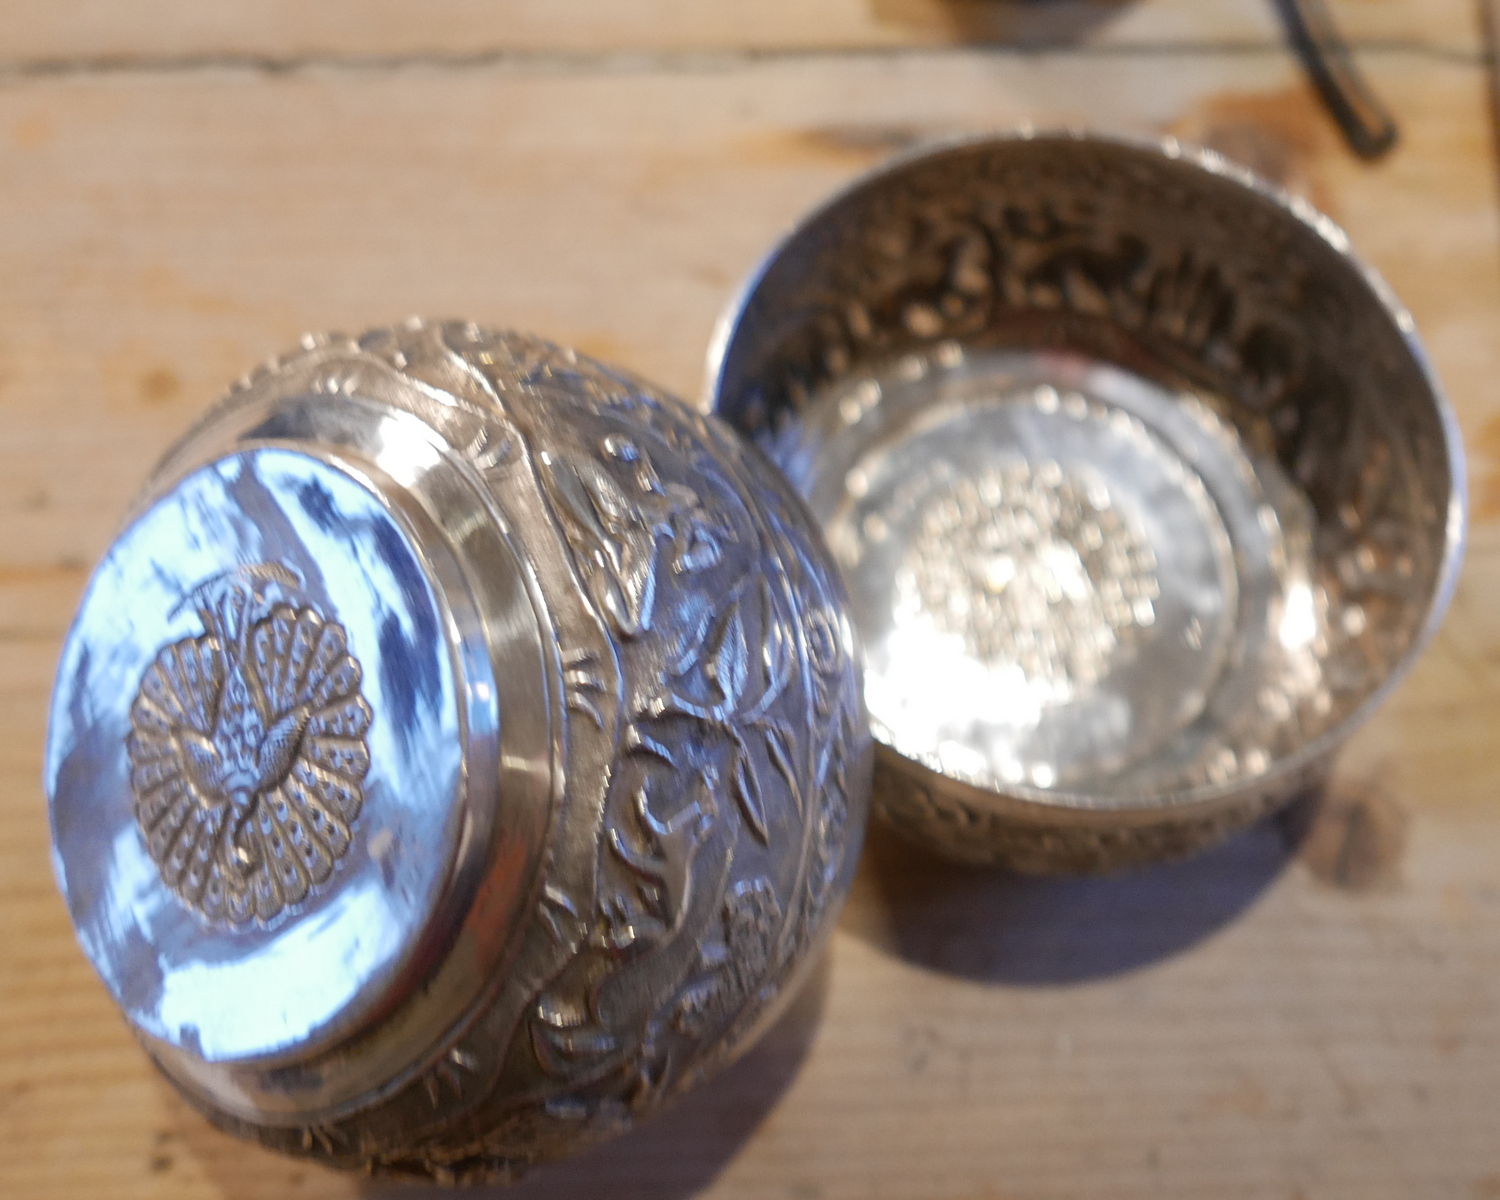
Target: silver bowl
x: 459, y: 753
x: 1141, y: 485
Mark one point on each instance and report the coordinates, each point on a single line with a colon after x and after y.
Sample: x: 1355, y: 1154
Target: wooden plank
x: 1231, y: 1027
x: 288, y: 29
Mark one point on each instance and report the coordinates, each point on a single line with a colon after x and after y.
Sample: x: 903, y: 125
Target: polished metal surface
x: 460, y: 752
x: 212, y: 752
x: 1141, y: 486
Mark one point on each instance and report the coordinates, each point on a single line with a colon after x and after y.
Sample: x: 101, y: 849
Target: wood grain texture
x: 1314, y: 1023
x: 280, y: 30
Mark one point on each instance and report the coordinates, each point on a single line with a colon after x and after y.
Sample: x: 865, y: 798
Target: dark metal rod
x: 1489, y: 14
x: 1366, y: 123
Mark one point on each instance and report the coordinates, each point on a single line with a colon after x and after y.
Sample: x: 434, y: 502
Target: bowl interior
x: 1139, y: 483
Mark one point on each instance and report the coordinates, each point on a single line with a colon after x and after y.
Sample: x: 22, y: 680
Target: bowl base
x: 1069, y: 578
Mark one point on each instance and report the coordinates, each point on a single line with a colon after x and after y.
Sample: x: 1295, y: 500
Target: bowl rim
x: 1283, y: 772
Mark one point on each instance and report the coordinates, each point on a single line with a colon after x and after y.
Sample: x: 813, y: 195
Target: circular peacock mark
x: 248, y: 749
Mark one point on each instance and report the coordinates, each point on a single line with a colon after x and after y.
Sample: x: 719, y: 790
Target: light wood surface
x: 44, y: 36
x: 1301, y: 1024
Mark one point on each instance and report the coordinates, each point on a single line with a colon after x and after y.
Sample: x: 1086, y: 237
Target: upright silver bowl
x: 1141, y: 485
x: 459, y: 753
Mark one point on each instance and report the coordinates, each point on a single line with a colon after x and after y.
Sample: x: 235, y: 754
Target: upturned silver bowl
x: 1142, y: 487
x: 460, y: 752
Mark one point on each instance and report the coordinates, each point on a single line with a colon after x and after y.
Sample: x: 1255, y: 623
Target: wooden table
x: 186, y: 186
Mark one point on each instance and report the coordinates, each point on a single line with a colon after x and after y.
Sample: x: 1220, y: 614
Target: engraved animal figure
x: 613, y: 517
x: 751, y: 917
x: 711, y: 683
x: 668, y: 862
x: 248, y: 750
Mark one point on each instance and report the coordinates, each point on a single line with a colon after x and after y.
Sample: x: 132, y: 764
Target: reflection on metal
x: 254, y: 670
x: 1049, y: 560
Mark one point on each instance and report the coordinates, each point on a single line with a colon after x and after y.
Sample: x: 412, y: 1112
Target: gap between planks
x: 681, y: 61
